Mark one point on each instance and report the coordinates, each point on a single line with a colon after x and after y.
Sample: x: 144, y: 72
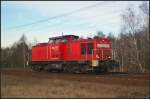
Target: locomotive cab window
x: 64, y: 40
x: 83, y: 48
x: 86, y: 48
x: 89, y: 48
x: 50, y: 41
x: 58, y: 40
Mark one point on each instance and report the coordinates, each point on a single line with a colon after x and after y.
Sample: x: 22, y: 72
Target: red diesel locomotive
x: 70, y: 53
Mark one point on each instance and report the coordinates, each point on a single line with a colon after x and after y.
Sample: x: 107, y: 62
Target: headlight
x: 97, y: 56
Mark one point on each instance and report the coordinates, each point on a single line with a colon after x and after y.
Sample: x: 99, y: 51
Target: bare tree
x: 134, y: 39
x: 17, y: 54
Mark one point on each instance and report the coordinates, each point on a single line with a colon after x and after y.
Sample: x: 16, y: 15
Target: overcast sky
x: 92, y: 17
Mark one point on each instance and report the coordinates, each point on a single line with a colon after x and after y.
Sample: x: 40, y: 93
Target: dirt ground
x: 27, y: 85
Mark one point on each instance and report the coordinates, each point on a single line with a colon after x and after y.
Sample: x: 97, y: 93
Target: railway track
x: 128, y: 79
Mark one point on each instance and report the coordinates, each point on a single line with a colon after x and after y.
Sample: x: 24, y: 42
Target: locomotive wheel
x: 69, y: 69
x: 64, y: 68
x: 83, y: 69
x: 48, y: 70
x: 75, y: 69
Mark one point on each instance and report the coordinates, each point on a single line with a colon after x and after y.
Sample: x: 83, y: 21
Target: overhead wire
x: 80, y: 24
x: 63, y: 23
x: 58, y: 16
x: 88, y: 27
x: 60, y: 22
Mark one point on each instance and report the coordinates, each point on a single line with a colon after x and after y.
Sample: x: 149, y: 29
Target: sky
x: 82, y: 18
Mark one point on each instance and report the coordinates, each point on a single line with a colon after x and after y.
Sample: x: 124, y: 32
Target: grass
x: 29, y: 87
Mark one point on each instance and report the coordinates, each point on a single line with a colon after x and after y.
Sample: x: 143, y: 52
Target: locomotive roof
x: 64, y: 36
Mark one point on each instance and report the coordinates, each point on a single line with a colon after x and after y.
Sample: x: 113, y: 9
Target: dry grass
x: 15, y: 86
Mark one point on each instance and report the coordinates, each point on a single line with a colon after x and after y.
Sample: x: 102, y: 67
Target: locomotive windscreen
x: 86, y: 48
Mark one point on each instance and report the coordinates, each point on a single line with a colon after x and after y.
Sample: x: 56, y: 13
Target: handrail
x: 96, y: 53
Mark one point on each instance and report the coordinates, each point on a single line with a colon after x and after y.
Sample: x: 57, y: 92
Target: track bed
x: 129, y: 79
